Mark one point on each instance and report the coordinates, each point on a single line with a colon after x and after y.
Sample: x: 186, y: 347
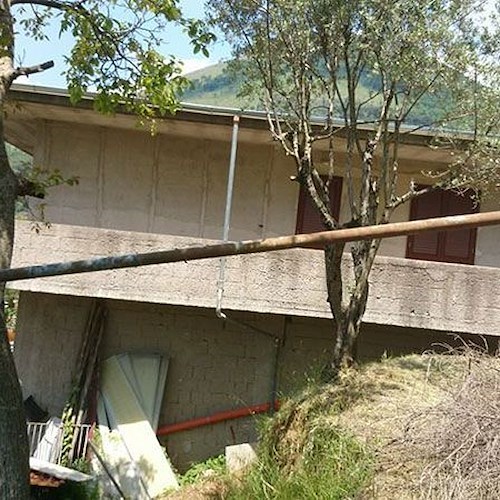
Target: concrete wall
x: 167, y: 184
x: 213, y: 366
x: 406, y: 293
x: 175, y: 183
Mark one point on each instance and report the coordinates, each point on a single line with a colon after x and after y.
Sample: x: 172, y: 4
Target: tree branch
x: 30, y: 70
x: 54, y: 4
x: 25, y: 187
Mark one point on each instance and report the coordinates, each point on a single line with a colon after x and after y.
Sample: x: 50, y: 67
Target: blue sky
x: 29, y: 51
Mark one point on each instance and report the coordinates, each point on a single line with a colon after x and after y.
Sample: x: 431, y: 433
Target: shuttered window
x: 443, y: 246
x: 308, y: 218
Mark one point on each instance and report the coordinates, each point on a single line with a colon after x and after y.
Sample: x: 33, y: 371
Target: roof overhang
x: 29, y: 104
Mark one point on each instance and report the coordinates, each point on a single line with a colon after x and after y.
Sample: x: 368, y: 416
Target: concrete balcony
x: 424, y: 295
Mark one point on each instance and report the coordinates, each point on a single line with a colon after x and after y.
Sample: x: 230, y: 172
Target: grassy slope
x: 368, y: 437
x: 213, y: 86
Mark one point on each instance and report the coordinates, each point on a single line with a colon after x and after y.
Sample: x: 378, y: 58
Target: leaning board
x: 126, y: 413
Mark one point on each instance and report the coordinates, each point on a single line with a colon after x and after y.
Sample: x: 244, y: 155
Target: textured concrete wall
x: 213, y: 366
x: 408, y: 293
x: 175, y: 182
x: 169, y: 184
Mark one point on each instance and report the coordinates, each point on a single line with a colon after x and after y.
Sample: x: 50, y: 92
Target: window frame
x: 442, y: 255
x: 336, y: 185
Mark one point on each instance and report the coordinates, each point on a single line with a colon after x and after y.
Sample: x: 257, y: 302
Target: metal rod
x: 251, y: 246
x: 227, y: 215
x: 230, y: 179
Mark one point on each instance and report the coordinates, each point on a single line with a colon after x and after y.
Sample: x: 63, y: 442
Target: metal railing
x: 46, y: 440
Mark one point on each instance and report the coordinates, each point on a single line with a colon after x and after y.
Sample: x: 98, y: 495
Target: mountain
x: 215, y: 86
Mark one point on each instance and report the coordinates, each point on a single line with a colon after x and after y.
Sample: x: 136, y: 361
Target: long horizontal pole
x: 251, y: 246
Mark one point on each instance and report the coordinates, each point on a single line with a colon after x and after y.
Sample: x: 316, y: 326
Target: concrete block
x: 240, y: 456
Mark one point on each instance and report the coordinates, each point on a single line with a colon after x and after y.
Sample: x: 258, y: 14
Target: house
x: 138, y: 192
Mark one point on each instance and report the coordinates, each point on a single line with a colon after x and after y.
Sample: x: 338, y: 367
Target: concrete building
x: 139, y: 192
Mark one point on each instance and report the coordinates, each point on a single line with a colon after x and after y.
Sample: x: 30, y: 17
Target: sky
x: 30, y: 52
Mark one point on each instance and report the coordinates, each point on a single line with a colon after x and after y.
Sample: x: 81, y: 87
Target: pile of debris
x: 112, y: 415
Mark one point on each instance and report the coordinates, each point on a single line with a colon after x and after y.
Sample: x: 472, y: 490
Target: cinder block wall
x: 214, y: 366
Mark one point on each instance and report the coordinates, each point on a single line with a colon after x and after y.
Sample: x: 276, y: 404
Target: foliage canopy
x: 117, y: 49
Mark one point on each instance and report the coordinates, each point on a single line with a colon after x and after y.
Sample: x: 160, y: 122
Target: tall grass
x: 334, y: 466
x: 303, y: 452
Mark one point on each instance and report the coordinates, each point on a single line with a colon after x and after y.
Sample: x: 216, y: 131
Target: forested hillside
x: 217, y: 86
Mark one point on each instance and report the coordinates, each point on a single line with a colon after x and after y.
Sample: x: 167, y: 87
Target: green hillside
x: 216, y: 86
x: 19, y: 160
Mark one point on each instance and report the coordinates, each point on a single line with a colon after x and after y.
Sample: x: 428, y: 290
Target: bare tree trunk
x: 14, y: 453
x: 347, y: 331
x: 347, y: 314
x: 14, y: 468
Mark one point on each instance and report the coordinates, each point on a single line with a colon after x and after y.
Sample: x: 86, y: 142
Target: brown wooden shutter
x: 425, y: 246
x: 308, y: 218
x: 459, y: 245
x: 444, y: 246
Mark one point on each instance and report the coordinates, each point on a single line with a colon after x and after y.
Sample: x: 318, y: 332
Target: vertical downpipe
x: 222, y: 269
x: 227, y: 215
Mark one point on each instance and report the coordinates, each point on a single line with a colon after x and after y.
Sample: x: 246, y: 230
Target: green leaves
x: 117, y: 51
x: 200, y: 37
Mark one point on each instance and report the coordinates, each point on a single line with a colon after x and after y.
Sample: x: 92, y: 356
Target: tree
x: 308, y: 58
x: 115, y: 54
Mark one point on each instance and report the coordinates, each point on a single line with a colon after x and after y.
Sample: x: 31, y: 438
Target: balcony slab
x: 407, y: 293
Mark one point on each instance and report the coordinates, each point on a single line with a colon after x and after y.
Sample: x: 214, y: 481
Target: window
x: 443, y: 246
x: 308, y: 218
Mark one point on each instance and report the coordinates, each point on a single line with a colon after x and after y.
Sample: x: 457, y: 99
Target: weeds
x: 209, y: 469
x: 334, y: 466
x: 304, y: 454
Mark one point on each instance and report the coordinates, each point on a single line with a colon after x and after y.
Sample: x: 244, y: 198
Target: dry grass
x: 397, y: 390
x: 432, y: 423
x: 459, y: 438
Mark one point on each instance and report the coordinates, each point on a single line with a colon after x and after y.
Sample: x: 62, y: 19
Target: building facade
x: 140, y: 192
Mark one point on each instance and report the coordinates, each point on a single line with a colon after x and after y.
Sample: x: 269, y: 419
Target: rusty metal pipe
x: 251, y: 246
x: 216, y: 418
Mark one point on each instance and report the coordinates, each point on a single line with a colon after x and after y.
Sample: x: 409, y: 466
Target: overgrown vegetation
x: 214, y: 467
x: 304, y: 453
x: 414, y: 427
x: 326, y: 462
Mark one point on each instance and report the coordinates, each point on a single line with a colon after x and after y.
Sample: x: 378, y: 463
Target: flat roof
x: 61, y: 97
